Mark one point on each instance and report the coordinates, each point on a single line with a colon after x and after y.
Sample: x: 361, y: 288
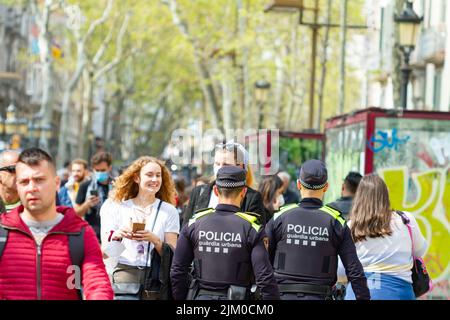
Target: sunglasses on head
x: 227, y: 145
x: 10, y: 169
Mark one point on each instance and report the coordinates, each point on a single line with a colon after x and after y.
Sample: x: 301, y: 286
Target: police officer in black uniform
x: 306, y: 239
x: 226, y: 246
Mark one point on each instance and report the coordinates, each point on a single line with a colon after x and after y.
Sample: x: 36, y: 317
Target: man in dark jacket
x: 288, y: 195
x: 344, y: 203
x: 228, y: 154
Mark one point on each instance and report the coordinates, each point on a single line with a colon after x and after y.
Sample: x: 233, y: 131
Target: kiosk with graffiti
x: 411, y: 152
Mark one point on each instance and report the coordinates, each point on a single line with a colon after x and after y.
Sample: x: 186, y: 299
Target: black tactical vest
x: 221, y: 251
x: 307, y: 247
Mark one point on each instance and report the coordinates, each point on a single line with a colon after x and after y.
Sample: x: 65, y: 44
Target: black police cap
x: 231, y: 177
x: 313, y: 174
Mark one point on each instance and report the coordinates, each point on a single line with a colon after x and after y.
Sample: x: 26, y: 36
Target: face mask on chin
x: 279, y: 202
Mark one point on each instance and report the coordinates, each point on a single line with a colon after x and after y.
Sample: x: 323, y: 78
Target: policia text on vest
x: 305, y: 241
x: 226, y: 247
x: 228, y: 252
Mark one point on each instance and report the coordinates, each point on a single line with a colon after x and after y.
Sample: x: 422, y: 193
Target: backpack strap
x: 406, y: 221
x: 76, y: 250
x: 3, y: 239
x: 402, y: 215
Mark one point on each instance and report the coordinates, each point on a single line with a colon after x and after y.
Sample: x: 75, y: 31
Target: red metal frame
x: 369, y: 116
x: 370, y: 129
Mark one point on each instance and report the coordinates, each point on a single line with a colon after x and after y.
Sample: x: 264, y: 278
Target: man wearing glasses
x: 8, y: 190
x: 202, y: 197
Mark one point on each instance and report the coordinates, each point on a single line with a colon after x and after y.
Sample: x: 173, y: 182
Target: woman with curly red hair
x: 138, y: 218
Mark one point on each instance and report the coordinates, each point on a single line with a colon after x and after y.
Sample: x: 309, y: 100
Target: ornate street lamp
x: 408, y: 24
x: 46, y: 131
x: 13, y: 125
x: 22, y: 127
x: 11, y: 120
x: 11, y: 111
x: 2, y: 125
x: 262, y: 88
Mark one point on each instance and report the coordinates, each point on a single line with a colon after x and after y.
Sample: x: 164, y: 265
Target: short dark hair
x: 101, y: 157
x: 351, y: 181
x: 33, y: 156
x: 228, y: 192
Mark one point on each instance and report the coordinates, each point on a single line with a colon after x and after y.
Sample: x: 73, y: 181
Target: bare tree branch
x: 101, y: 50
x: 99, y: 21
x: 206, y: 82
x: 119, y: 50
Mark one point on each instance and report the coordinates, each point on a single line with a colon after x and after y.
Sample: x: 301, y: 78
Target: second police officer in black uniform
x: 306, y: 239
x: 226, y: 246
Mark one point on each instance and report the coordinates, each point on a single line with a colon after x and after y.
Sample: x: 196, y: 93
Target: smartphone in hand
x: 136, y: 226
x: 94, y: 193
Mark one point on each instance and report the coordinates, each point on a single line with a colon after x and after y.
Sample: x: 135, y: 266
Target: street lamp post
x: 14, y: 127
x: 315, y: 25
x: 262, y: 88
x: 408, y: 24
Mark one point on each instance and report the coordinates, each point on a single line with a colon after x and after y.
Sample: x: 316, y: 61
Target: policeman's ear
x: 244, y: 192
x: 216, y: 191
x: 299, y: 185
x: 325, y: 188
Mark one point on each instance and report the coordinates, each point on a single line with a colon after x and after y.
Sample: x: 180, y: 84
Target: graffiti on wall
x: 441, y: 149
x: 386, y: 139
x: 431, y: 207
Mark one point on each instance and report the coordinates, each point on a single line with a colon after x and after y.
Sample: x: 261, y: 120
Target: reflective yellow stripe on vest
x: 249, y: 218
x: 283, y: 209
x: 200, y: 214
x: 334, y: 213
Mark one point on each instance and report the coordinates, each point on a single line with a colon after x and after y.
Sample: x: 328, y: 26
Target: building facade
x: 430, y: 79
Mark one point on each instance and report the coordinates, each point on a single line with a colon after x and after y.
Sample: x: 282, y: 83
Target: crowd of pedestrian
x: 223, y: 237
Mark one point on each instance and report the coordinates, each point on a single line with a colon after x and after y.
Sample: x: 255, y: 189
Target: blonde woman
x: 383, y: 243
x: 145, y: 194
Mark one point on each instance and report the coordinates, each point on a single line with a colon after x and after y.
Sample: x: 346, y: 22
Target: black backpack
x: 76, y: 248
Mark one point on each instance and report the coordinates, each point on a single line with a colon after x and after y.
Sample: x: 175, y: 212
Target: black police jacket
x: 343, y: 204
x: 305, y: 241
x: 227, y: 248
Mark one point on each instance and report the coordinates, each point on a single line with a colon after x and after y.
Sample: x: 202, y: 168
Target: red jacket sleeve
x: 95, y: 282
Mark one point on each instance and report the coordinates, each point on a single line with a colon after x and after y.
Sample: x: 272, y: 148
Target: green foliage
x: 159, y: 61
x: 294, y: 151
